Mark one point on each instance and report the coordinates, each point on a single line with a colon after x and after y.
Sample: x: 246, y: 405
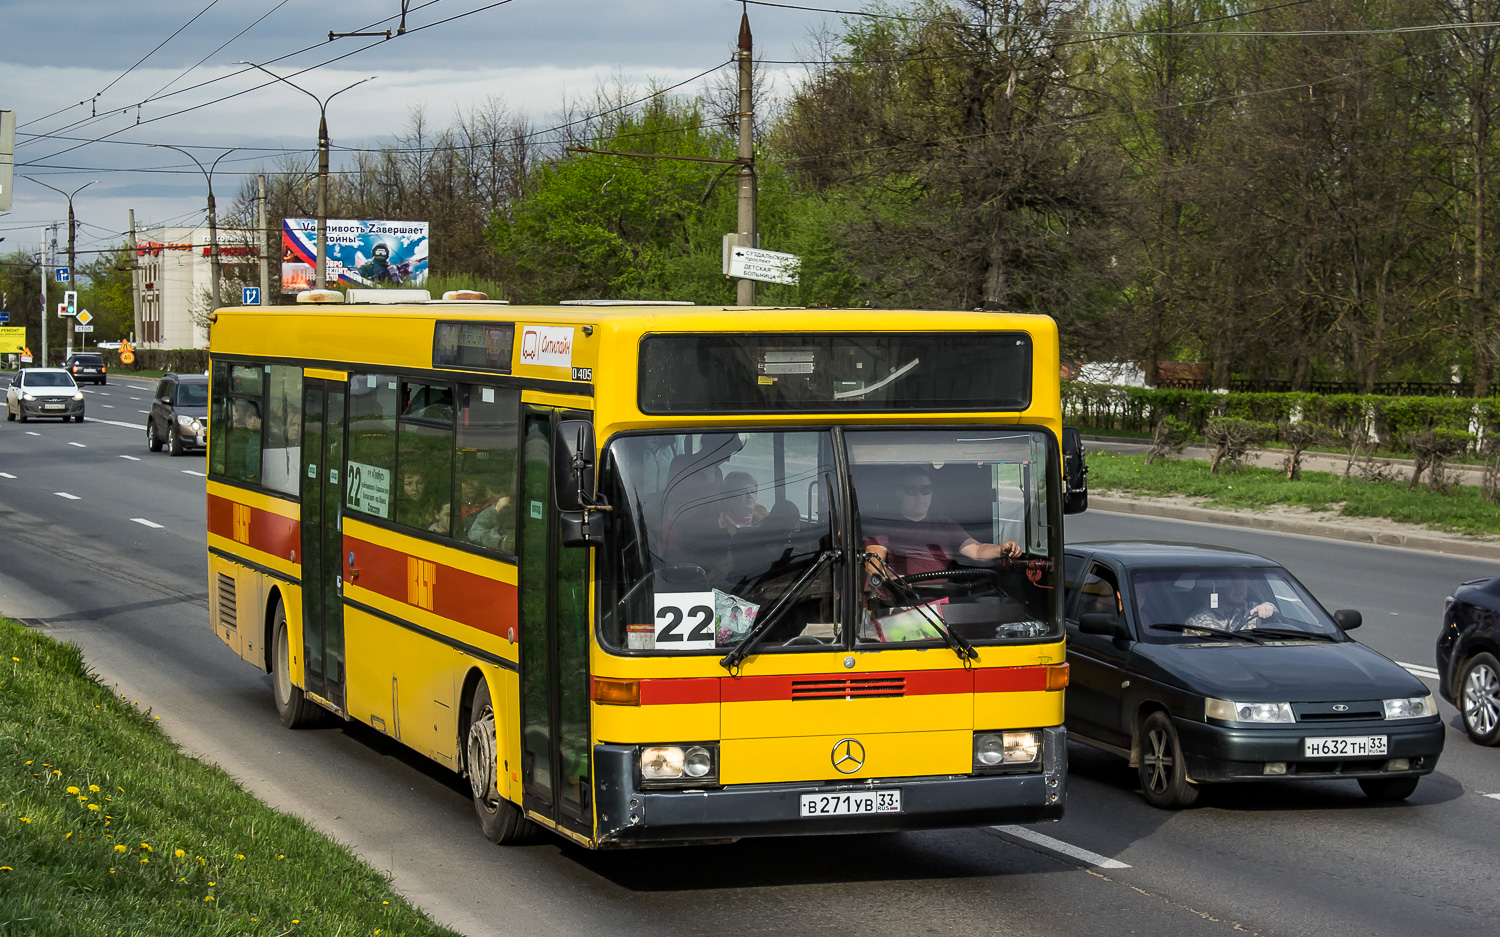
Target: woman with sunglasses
x: 908, y: 539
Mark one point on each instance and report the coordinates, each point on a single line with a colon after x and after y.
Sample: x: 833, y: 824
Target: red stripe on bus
x: 683, y: 690
x: 1010, y: 679
x: 268, y: 532
x: 457, y: 594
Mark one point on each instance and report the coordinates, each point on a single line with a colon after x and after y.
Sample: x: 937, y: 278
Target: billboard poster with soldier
x: 360, y: 253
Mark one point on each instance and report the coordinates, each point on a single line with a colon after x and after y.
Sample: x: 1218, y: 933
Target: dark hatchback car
x: 179, y: 414
x: 1202, y: 664
x: 1468, y: 657
x: 87, y: 367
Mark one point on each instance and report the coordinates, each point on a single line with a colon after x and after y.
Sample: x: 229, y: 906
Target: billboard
x: 360, y: 253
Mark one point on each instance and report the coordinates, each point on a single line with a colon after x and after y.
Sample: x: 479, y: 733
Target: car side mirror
x: 1106, y: 624
x: 1075, y: 472
x: 1348, y: 619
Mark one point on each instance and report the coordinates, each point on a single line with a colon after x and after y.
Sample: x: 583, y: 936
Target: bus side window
x: 372, y: 444
x: 239, y: 414
x: 281, y: 445
x: 486, y: 445
x: 424, y: 460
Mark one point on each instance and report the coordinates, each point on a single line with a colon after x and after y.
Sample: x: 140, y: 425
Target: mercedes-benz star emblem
x: 848, y: 756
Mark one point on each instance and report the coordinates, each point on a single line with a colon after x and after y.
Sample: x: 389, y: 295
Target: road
x: 105, y: 548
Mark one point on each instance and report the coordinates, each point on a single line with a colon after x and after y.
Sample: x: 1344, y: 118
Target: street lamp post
x: 322, y: 163
x: 68, y: 330
x: 213, y: 226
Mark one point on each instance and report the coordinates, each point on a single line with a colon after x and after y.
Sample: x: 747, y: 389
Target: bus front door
x: 554, y: 642
x: 322, y: 540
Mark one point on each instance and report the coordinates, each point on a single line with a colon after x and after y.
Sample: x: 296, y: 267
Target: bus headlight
x: 678, y: 765
x: 993, y: 749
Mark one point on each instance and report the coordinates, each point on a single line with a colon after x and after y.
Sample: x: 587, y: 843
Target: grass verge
x: 107, y: 828
x: 1460, y: 509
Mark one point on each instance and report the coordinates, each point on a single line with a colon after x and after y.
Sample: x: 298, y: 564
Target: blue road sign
x: 250, y: 296
x: 4, y: 317
x: 62, y: 275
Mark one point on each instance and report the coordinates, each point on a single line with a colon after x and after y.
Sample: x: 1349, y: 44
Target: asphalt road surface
x: 103, y: 545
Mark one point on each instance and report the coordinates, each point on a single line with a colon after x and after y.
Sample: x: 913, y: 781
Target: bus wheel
x: 295, y: 710
x: 499, y: 819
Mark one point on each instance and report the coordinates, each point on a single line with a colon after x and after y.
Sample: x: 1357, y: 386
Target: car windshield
x: 711, y: 531
x: 49, y: 379
x: 192, y: 395
x: 1251, y: 599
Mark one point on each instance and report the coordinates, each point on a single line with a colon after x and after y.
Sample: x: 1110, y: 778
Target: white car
x: 49, y: 392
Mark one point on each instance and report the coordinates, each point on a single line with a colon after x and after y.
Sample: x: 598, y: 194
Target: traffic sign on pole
x: 249, y: 296
x: 62, y: 274
x: 4, y: 317
x: 85, y: 317
x: 750, y: 263
x: 84, y: 328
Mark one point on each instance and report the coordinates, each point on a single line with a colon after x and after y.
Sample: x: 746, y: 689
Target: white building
x: 174, y: 284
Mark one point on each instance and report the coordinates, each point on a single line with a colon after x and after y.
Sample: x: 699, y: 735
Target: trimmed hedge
x: 1389, y: 420
x: 184, y: 360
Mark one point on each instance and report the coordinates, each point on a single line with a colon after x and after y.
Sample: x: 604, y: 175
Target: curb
x: 1311, y: 528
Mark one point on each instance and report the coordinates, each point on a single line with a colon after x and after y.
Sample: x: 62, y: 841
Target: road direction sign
x: 249, y: 296
x: 751, y: 263
x: 61, y: 274
x: 85, y: 328
x: 4, y: 317
x: 85, y: 317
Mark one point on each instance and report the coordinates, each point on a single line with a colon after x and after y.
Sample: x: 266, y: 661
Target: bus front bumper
x: 629, y: 816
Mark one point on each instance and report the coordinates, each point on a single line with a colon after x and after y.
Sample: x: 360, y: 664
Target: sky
x: 134, y: 67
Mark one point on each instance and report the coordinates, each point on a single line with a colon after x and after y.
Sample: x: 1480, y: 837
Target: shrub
x: 1232, y: 439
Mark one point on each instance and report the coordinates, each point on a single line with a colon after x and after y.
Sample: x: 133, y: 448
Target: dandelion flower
x: 281, y: 857
x: 94, y: 788
x: 208, y: 897
x: 239, y: 855
x: 56, y: 772
x: 119, y: 847
x: 16, y: 659
x: 385, y: 902
x: 68, y: 835
x: 212, y: 884
x: 24, y: 819
x: 145, y: 858
x: 179, y: 853
x: 28, y: 762
x: 93, y: 806
x: 6, y: 868
x: 147, y: 847
x: 72, y: 790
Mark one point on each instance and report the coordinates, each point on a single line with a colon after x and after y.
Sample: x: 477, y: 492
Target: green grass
x: 1460, y: 509
x: 107, y: 829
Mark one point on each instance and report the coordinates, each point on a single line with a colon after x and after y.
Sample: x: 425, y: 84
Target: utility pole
x: 265, y: 243
x: 746, y: 236
x: 72, y: 239
x: 213, y: 224
x: 135, y: 282
x: 322, y: 266
x: 41, y: 263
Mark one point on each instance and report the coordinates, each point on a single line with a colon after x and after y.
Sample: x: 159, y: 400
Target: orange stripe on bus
x: 447, y: 591
x: 257, y: 529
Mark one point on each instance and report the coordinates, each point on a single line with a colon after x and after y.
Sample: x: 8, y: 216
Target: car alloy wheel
x: 1479, y: 699
x: 1163, y: 770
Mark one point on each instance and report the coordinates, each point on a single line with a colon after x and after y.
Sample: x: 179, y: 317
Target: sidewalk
x: 1291, y: 520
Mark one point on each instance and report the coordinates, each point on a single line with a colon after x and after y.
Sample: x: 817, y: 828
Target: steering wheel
x: 802, y: 639
x: 963, y: 572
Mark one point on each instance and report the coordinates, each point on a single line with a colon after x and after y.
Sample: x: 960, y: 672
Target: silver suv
x: 49, y: 392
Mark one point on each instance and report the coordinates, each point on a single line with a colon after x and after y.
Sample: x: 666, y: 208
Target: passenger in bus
x: 905, y: 537
x: 741, y: 509
x: 244, y: 433
x: 693, y: 531
x: 494, y: 526
x: 416, y: 508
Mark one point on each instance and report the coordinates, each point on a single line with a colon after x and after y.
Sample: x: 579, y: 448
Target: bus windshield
x: 710, y: 531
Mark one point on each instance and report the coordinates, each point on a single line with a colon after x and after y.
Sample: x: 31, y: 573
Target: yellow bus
x: 656, y: 573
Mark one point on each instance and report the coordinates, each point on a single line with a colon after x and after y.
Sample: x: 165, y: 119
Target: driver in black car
x: 909, y: 540
x: 1231, y: 608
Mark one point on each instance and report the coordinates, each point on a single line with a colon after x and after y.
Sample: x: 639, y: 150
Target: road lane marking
x: 6, y: 475
x: 135, y: 398
x: 64, y: 494
x: 191, y: 472
x: 108, y: 406
x: 1493, y: 796
x: 1420, y: 670
x: 145, y: 523
x: 30, y: 433
x: 143, y: 411
x: 131, y: 458
x: 78, y: 444
x: 137, y: 426
x: 1058, y: 846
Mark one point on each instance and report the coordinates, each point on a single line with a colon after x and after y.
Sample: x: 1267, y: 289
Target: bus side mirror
x: 573, y: 465
x: 1075, y: 473
x: 573, y: 485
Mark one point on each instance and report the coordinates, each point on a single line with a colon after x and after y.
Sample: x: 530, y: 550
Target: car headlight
x: 1249, y: 712
x: 77, y: 395
x: 1410, y: 707
x: 678, y: 765
x: 187, y: 422
x: 26, y: 396
x: 1016, y: 747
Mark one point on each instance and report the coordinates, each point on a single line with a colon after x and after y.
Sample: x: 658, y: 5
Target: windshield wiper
x: 1208, y: 629
x: 764, y: 623
x: 957, y: 642
x: 1294, y: 633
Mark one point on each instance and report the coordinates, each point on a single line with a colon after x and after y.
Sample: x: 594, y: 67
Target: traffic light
x: 70, y: 300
